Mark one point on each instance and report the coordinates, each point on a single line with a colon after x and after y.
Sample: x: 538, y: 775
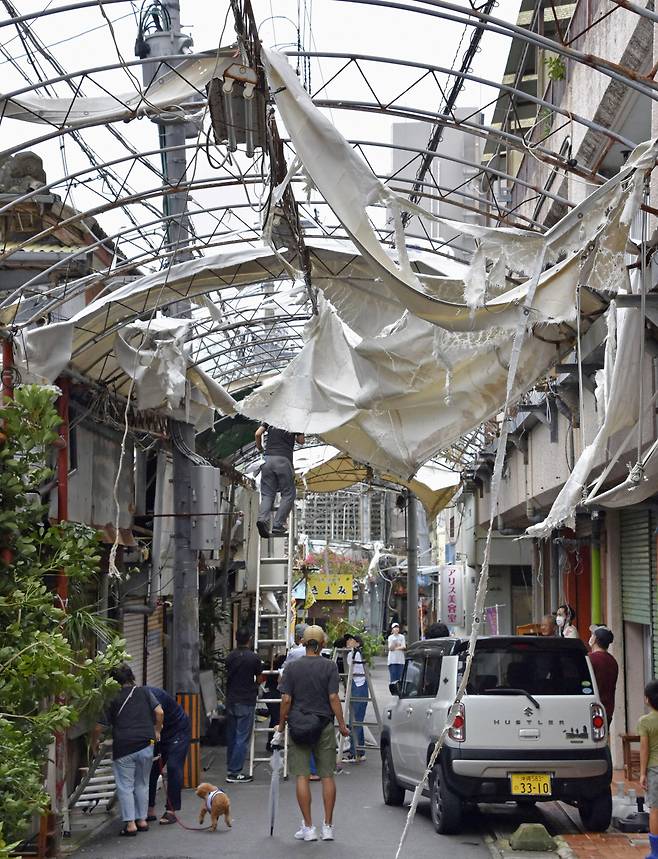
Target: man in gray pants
x: 277, y: 475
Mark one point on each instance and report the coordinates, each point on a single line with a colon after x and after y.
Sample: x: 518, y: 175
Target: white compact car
x: 531, y: 727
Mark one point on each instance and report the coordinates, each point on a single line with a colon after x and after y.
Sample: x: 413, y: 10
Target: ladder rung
x: 271, y: 616
x: 271, y: 641
x: 93, y: 803
x: 274, y: 560
x: 96, y: 797
x: 281, y: 587
x: 262, y: 760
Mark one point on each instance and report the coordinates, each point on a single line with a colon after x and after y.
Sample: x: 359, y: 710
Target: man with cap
x: 605, y: 667
x: 309, y: 688
x: 396, y: 647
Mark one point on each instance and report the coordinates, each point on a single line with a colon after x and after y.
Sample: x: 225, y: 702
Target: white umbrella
x: 276, y: 763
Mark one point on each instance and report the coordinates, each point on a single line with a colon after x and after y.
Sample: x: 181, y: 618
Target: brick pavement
x: 608, y: 845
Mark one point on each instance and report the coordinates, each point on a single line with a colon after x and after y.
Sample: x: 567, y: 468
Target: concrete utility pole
x: 167, y: 40
x: 412, y: 569
x: 185, y: 650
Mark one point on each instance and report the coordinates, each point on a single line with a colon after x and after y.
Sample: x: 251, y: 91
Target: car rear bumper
x: 482, y: 776
x: 557, y: 768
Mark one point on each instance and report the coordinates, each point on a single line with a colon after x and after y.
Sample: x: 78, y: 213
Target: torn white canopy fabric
x: 641, y: 483
x: 349, y: 186
x: 324, y: 468
x: 176, y: 85
x: 621, y: 410
x: 153, y: 353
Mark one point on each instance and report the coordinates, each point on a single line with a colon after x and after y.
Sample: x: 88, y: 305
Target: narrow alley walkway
x: 365, y: 827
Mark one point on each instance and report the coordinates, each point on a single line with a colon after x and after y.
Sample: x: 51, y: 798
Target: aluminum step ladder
x: 274, y: 604
x: 97, y: 787
x: 347, y: 677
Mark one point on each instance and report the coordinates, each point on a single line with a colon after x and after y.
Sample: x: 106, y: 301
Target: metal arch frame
x: 31, y: 16
x: 450, y: 12
x: 484, y: 131
x: 141, y: 196
x: 220, y: 182
x: 166, y: 59
x: 501, y: 87
x: 487, y: 22
x: 43, y: 189
x: 205, y: 184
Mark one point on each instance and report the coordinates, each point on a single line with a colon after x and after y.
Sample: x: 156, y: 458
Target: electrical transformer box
x: 206, y: 531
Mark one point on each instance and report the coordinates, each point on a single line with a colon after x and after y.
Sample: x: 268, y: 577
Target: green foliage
x: 555, y: 67
x: 47, y: 678
x: 6, y: 850
x: 545, y: 120
x: 213, y: 619
x: 372, y: 644
x: 336, y: 564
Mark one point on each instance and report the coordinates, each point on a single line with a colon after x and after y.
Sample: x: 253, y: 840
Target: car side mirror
x: 394, y: 688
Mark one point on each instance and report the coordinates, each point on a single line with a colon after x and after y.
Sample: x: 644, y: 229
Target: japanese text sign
x: 452, y: 594
x: 325, y: 586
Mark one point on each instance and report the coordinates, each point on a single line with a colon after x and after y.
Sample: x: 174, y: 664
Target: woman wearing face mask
x: 565, y: 622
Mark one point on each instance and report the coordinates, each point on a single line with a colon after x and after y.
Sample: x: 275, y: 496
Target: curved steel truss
x: 107, y: 207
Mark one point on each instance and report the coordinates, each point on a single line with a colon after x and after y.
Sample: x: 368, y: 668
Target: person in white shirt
x: 298, y: 649
x: 358, y: 696
x: 396, y: 648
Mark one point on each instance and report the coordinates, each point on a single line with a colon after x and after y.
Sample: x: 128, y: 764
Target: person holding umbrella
x: 309, y: 703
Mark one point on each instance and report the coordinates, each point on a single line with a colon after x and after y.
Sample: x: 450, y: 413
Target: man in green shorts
x: 310, y: 686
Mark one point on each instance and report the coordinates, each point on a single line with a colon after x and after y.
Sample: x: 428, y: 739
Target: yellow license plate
x: 530, y: 784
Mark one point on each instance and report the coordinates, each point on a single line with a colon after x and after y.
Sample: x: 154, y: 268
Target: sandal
x: 151, y: 818
x: 129, y: 833
x: 142, y: 828
x: 167, y: 819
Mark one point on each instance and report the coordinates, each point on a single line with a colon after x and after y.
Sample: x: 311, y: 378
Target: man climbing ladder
x: 277, y: 475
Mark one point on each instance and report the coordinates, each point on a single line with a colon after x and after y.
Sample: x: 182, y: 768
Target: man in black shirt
x: 173, y: 748
x: 243, y: 671
x: 277, y: 475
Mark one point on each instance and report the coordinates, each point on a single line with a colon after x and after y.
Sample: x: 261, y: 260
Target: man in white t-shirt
x: 298, y: 649
x: 396, y: 648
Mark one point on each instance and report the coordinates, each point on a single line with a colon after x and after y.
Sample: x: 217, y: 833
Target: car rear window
x: 539, y: 671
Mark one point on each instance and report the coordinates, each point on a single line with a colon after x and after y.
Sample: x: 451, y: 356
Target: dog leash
x: 170, y: 808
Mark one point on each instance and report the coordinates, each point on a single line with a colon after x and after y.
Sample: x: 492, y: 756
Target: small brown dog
x: 215, y: 802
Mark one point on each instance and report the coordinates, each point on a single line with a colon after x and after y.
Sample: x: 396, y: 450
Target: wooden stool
x: 631, y: 758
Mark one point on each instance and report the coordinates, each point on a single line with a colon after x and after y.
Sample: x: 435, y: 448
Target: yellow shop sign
x: 324, y: 586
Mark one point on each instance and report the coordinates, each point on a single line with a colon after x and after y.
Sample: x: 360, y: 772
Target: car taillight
x: 457, y: 731
x: 599, y: 721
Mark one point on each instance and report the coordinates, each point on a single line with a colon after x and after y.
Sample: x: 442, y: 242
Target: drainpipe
x: 596, y: 568
x: 7, y: 394
x: 62, y: 447
x: 62, y: 585
x: 555, y: 573
x: 412, y: 570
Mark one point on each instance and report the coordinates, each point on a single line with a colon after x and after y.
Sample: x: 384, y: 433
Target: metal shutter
x: 132, y: 629
x: 154, y: 649
x: 636, y: 541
